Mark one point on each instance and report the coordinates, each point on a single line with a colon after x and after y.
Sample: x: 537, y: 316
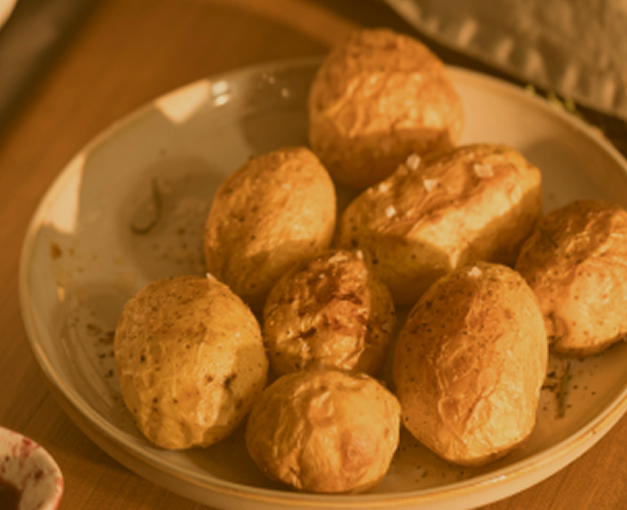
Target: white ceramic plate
x: 82, y: 259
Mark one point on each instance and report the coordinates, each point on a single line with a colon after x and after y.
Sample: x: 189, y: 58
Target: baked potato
x: 190, y: 361
x: 576, y: 263
x: 377, y: 98
x: 329, y: 312
x: 275, y: 210
x: 470, y: 362
x: 435, y: 214
x: 324, y: 431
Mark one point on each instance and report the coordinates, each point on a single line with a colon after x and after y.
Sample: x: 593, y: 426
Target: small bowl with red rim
x: 30, y: 479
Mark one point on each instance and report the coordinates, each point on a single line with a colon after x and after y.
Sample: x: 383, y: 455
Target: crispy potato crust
x: 190, y: 360
x: 324, y: 431
x: 330, y: 312
x: 476, y: 202
x: 377, y: 98
x: 470, y: 362
x: 275, y: 210
x: 576, y: 263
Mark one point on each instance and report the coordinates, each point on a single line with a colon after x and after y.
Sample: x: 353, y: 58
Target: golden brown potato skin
x: 470, y: 362
x: 330, y: 312
x: 476, y: 202
x: 190, y: 360
x: 275, y: 210
x: 377, y: 98
x: 576, y: 263
x: 324, y: 431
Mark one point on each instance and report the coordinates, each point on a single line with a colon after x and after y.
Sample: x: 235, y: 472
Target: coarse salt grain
x: 390, y: 211
x: 430, y: 184
x: 483, y: 170
x: 383, y: 187
x: 211, y: 278
x: 475, y: 272
x: 413, y: 161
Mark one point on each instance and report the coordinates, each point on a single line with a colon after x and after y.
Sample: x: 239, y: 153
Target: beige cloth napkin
x: 575, y: 48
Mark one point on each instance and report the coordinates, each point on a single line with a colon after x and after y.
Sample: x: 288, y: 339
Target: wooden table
x: 124, y: 54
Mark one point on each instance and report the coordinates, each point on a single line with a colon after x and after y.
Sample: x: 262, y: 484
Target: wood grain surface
x: 125, y: 53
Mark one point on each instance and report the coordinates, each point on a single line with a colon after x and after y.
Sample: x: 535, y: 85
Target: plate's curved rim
x: 551, y: 459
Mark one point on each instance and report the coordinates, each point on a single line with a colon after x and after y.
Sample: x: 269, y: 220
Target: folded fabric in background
x: 575, y: 48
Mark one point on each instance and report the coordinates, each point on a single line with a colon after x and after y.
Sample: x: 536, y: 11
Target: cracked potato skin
x: 470, y: 362
x: 275, y: 210
x: 330, y: 312
x: 433, y: 215
x: 576, y: 263
x: 190, y: 361
x: 377, y: 98
x: 324, y: 431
